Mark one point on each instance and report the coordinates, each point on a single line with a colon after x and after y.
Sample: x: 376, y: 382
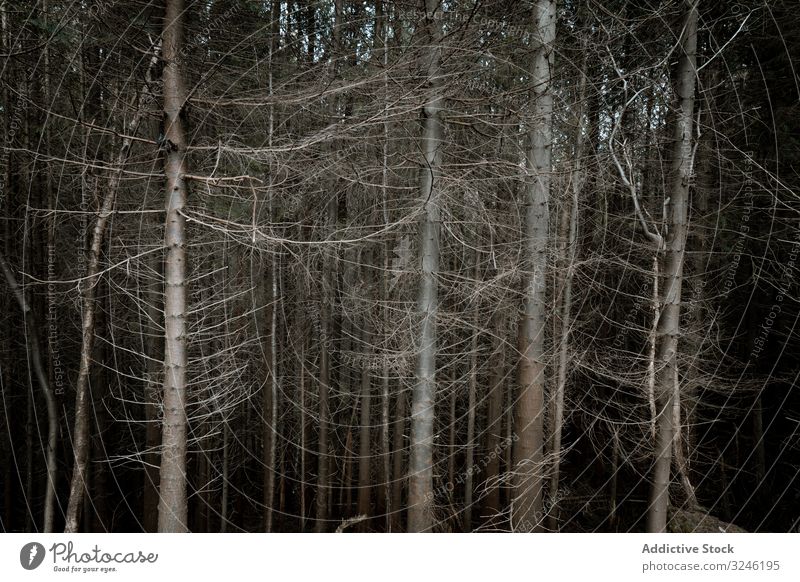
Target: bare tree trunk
x: 365, y: 434
x: 81, y: 431
x: 382, y: 34
x: 30, y: 524
x: 612, y: 514
x: 469, y: 482
x: 667, y: 395
x: 273, y: 468
x: 529, y: 410
x: 494, y: 419
x: 173, y: 506
x: 96, y: 515
x: 422, y: 407
x: 326, y: 328
x: 451, y: 432
x: 364, y: 448
x: 50, y: 486
x: 303, y: 434
x: 265, y: 302
x: 398, y: 453
x: 567, y: 263
x: 268, y: 299
x: 324, y: 382
x: 677, y: 448
x: 223, y: 514
x: 35, y: 355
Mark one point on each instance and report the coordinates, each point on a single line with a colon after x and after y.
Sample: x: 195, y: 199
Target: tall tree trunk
x: 50, y: 486
x: 364, y: 443
x: 382, y: 33
x: 529, y: 410
x: 303, y: 434
x: 265, y: 300
x: 494, y: 419
x: 667, y: 394
x: 82, y: 405
x: 326, y: 328
x: 172, y: 506
x: 97, y: 515
x: 398, y: 454
x: 469, y: 452
x: 39, y: 370
x: 420, y: 491
x: 567, y: 264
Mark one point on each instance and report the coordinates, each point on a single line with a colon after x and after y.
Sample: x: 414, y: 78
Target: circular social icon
x: 31, y: 555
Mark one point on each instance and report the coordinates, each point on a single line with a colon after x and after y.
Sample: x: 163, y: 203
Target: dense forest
x: 389, y: 266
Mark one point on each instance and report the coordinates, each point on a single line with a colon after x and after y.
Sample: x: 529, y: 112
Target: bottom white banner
x: 355, y: 557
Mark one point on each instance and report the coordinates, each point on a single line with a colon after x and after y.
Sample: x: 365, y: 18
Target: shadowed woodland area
x: 423, y: 265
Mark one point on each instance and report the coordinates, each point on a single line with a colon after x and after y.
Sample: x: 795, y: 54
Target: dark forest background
x: 232, y: 231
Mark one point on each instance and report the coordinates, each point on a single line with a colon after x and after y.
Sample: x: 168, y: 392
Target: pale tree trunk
x: 398, y: 455
x: 50, y: 486
x: 35, y: 355
x: 567, y: 264
x: 82, y: 405
x: 324, y: 382
x: 420, y: 471
x: 264, y: 299
x: 270, y: 388
x: 326, y: 328
x: 451, y: 433
x: 382, y: 34
x: 667, y: 394
x: 173, y: 506
x: 469, y: 452
x: 364, y: 452
x: 223, y: 513
x: 707, y: 152
x: 303, y: 434
x: 494, y: 419
x: 272, y: 468
x: 529, y: 410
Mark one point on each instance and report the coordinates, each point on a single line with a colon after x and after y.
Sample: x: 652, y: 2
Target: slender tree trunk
x: 97, y: 514
x: 52, y: 420
x: 223, y: 514
x: 324, y: 382
x: 451, y: 432
x: 172, y: 506
x: 398, y: 454
x: 494, y: 420
x: 612, y: 513
x: 529, y: 410
x: 39, y: 370
x: 469, y: 482
x: 267, y: 300
x: 667, y: 394
x: 423, y: 398
x: 82, y: 405
x: 266, y: 303
x: 364, y: 448
x: 303, y: 435
x: 382, y: 33
x: 567, y: 261
x: 326, y: 328
x: 273, y: 468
